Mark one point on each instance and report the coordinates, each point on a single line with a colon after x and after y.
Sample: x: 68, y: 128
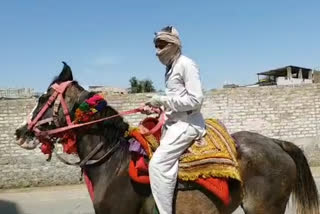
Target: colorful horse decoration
x: 209, y: 162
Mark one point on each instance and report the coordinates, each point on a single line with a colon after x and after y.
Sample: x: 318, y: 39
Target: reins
x: 74, y: 126
x: 86, y: 161
x: 57, y: 99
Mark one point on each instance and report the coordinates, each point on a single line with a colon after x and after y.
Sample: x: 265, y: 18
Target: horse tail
x: 305, y: 193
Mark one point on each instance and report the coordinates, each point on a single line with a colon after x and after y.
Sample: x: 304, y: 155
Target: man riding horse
x: 271, y: 169
x: 184, y: 122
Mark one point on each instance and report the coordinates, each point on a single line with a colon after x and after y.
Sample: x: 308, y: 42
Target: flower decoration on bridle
x: 89, y: 108
x: 84, y: 113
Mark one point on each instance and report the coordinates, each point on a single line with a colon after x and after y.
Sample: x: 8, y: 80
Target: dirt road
x: 57, y: 200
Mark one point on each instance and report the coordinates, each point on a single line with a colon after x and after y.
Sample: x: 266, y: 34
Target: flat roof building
x: 288, y: 75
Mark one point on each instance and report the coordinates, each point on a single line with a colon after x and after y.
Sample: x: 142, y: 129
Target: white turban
x: 172, y: 51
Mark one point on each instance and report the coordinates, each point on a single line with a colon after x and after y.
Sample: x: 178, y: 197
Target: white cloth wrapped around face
x: 172, y: 50
x: 168, y: 34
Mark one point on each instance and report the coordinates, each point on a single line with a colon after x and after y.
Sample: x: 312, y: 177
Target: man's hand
x: 147, y: 110
x: 156, y: 101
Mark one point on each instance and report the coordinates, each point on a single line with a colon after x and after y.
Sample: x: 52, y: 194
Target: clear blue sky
x: 107, y: 42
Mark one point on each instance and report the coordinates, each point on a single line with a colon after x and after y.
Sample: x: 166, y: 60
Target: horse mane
x: 113, y: 132
x: 115, y: 127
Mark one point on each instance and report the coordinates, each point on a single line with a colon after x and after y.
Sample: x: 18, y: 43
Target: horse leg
x: 120, y: 197
x: 262, y: 197
x: 268, y: 173
x: 98, y: 202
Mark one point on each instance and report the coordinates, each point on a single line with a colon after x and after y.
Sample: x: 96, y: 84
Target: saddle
x: 209, y: 162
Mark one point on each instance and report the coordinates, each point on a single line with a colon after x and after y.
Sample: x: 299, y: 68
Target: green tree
x: 141, y: 86
x: 147, y: 86
x: 134, y: 84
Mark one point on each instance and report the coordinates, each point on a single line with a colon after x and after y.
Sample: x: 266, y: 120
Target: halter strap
x: 58, y: 93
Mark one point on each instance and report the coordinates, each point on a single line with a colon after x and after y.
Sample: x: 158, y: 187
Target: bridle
x: 51, y: 136
x: 57, y: 98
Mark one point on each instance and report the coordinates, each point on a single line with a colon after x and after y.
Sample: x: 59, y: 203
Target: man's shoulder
x: 184, y: 63
x: 185, y: 60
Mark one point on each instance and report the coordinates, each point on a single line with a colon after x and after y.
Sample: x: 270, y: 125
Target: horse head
x: 48, y: 113
x: 55, y: 112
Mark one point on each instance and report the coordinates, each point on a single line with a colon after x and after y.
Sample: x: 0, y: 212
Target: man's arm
x: 192, y: 96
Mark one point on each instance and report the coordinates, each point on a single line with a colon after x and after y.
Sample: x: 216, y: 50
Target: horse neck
x: 110, y: 133
x: 107, y: 169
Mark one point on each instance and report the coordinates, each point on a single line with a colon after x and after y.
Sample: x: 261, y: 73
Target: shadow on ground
x: 7, y: 207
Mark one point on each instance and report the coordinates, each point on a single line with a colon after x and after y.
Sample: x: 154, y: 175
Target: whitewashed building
x: 289, y: 75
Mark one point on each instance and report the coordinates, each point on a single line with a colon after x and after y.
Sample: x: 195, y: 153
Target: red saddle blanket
x: 138, y: 168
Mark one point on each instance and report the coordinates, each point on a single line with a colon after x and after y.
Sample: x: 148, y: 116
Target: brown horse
x: 271, y: 169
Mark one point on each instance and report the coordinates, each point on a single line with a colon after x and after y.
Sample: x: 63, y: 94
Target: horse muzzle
x: 28, y: 144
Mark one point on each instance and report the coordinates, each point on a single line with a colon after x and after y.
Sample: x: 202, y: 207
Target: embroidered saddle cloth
x: 208, y: 162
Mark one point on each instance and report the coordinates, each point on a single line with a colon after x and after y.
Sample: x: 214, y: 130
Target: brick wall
x: 282, y: 112
x: 291, y: 113
x: 22, y: 168
x: 16, y: 93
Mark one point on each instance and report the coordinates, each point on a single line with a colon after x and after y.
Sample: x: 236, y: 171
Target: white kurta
x: 184, y: 123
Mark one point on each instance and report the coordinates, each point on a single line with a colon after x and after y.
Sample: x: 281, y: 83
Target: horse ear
x: 66, y: 73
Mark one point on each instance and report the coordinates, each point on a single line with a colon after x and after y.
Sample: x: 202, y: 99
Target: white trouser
x: 163, y: 167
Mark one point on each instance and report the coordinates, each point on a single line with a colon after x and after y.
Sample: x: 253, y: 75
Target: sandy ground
x: 64, y: 200
x: 46, y: 200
